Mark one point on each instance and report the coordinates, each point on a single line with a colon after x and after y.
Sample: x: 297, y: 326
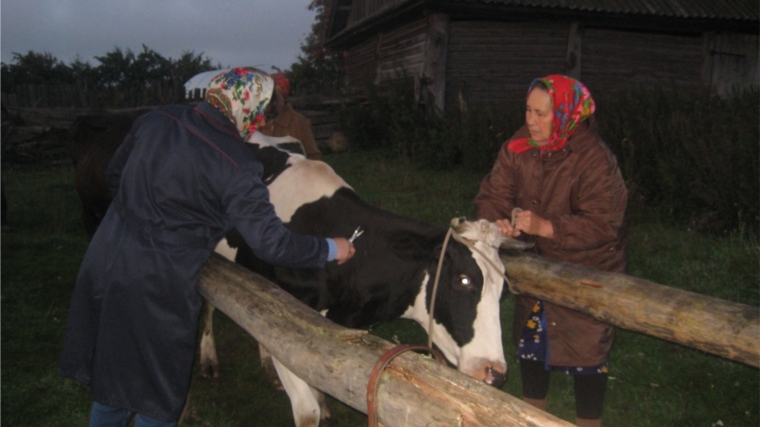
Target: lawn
x: 653, y: 382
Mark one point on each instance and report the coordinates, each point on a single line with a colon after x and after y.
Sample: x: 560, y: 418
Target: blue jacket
x: 183, y: 179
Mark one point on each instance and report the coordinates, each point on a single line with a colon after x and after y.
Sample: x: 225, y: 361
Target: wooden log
x: 21, y: 134
x: 62, y: 118
x: 434, y: 70
x: 719, y: 327
x: 574, y: 44
x: 413, y: 391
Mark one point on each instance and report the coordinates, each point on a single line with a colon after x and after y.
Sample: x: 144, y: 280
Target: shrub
x: 694, y: 154
x: 687, y: 153
x: 390, y: 119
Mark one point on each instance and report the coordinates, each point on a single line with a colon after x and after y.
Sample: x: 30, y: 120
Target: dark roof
x: 352, y: 17
x: 743, y: 10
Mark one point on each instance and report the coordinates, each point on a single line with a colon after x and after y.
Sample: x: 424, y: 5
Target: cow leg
x: 270, y: 373
x: 305, y: 401
x: 209, y: 361
x: 326, y: 416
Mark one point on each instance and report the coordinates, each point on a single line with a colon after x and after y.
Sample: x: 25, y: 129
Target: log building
x: 488, y: 51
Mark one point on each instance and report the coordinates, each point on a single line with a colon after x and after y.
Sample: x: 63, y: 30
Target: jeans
x: 108, y: 416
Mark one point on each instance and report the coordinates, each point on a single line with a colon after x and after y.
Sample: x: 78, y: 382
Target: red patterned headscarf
x: 281, y: 83
x: 242, y: 94
x: 571, y: 105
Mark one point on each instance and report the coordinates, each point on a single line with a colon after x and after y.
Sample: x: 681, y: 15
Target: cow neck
x: 435, y: 287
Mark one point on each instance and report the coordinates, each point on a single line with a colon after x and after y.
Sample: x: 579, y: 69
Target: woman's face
x: 538, y: 116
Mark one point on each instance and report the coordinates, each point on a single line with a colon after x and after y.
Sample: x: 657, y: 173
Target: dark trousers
x: 589, y: 389
x: 108, y: 416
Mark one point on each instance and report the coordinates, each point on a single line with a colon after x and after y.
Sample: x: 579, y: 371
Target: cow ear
x: 409, y: 245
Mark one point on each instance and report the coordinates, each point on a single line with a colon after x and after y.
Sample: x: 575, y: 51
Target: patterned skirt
x: 534, y: 345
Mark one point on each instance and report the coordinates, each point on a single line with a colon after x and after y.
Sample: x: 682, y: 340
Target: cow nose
x: 494, y: 377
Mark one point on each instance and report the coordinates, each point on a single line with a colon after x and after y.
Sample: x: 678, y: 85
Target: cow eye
x: 464, y: 280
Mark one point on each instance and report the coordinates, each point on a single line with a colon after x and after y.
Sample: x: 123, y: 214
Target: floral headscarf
x: 242, y: 94
x: 571, y: 105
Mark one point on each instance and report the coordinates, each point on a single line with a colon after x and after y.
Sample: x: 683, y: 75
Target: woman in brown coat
x: 572, y: 197
x: 289, y: 122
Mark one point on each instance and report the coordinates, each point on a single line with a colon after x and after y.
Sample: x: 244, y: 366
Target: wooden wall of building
x: 363, y: 9
x: 613, y: 60
x: 494, y: 62
x: 361, y: 63
x: 731, y: 62
x: 402, y: 52
x: 387, y: 56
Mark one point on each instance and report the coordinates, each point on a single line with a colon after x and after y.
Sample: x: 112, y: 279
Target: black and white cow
x: 389, y: 277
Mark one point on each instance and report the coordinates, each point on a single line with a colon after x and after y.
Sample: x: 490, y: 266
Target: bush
x: 693, y: 154
x: 687, y: 153
x: 391, y: 120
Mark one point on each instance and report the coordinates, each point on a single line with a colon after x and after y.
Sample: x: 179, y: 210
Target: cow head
x: 467, y: 326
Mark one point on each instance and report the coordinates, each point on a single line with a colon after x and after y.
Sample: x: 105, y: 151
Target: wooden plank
x: 726, y: 329
x: 613, y: 60
x: 730, y: 62
x: 434, y: 69
x: 496, y: 61
x: 401, y: 53
x: 360, y: 64
x: 574, y: 49
x: 414, y: 391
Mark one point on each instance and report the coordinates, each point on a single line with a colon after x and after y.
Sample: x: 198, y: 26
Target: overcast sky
x: 258, y: 33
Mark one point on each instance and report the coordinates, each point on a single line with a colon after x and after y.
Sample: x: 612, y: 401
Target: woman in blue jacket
x: 183, y: 178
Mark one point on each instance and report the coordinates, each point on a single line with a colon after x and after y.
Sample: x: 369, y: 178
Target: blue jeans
x: 108, y: 416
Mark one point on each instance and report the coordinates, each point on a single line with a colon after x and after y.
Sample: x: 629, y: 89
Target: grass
x: 653, y: 382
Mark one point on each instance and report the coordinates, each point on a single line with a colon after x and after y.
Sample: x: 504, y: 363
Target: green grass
x: 656, y: 383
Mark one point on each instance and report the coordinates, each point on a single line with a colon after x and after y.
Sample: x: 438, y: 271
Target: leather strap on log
x: 382, y: 363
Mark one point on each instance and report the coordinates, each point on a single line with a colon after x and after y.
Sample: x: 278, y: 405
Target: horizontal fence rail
x: 416, y: 391
x: 727, y: 329
x: 413, y: 391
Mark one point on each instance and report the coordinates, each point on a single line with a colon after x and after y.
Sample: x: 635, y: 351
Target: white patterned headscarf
x: 242, y: 94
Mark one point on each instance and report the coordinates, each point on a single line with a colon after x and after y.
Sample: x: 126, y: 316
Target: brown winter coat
x: 581, y: 191
x: 291, y: 123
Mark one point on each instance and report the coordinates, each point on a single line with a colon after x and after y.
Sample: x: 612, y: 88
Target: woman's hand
x: 346, y: 249
x: 531, y: 223
x: 505, y: 228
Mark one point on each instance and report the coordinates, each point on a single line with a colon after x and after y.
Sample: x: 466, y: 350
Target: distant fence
x: 77, y: 96
x: 39, y: 134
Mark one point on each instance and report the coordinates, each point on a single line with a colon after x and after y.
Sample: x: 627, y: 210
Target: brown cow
x: 93, y: 139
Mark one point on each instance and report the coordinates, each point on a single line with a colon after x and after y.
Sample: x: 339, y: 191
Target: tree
x: 190, y: 64
x: 83, y: 73
x: 319, y: 68
x: 121, y: 79
x: 114, y: 66
x: 36, y: 68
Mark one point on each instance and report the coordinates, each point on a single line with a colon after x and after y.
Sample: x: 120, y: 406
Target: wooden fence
x: 413, y: 391
x: 77, y: 96
x: 40, y: 134
x: 419, y: 392
x: 727, y: 329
